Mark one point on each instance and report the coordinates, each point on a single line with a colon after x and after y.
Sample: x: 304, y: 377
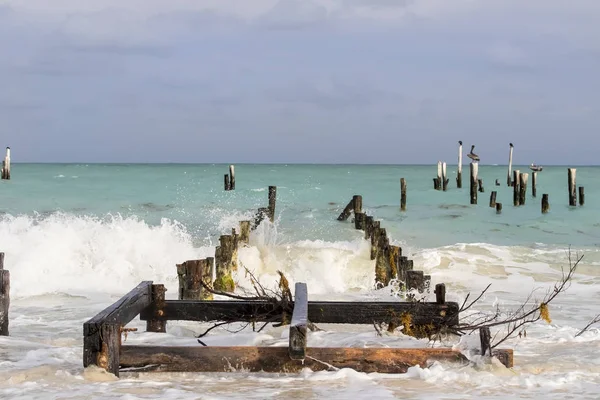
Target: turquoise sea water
x: 309, y: 198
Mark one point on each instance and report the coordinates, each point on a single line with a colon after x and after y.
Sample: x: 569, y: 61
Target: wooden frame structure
x: 103, y: 348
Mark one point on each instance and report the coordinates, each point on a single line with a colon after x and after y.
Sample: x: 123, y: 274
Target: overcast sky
x: 335, y: 81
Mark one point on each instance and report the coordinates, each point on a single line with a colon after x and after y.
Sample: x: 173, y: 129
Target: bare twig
x: 595, y: 320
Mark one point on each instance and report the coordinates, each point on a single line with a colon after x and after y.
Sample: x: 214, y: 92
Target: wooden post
x: 158, y: 302
x: 226, y: 182
x: 459, y: 171
x: 497, y: 182
x: 438, y: 181
x: 484, y: 337
x: 534, y: 183
x: 415, y: 280
x: 572, y: 172
x: 445, y: 179
x: 6, y: 165
x: 402, y: 194
x: 360, y: 221
x: 231, y: 177
x: 480, y: 184
x: 493, y: 199
x: 440, y: 293
x: 346, y: 211
x: 297, y: 343
x: 510, y: 156
x: 245, y: 231
x: 394, y: 253
x: 545, y: 203
x: 191, y: 274
x: 357, y: 203
x: 272, y: 201
x: 474, y: 167
x: 516, y: 193
x: 375, y: 234
x: 226, y: 260
x: 382, y: 259
x: 498, y: 208
x: 581, y: 196
x: 369, y: 223
x: 523, y: 187
x: 4, y: 297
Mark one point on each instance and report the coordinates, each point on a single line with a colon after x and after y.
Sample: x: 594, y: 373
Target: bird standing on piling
x: 472, y: 155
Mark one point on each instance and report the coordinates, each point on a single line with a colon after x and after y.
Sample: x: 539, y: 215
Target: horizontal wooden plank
x: 333, y: 312
x: 276, y: 359
x: 127, y: 307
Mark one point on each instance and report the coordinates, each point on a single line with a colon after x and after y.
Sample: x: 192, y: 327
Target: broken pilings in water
x: 226, y: 261
x: 272, y: 202
x: 523, y: 178
x: 493, y: 199
x: 581, y: 196
x: 545, y: 203
x: 572, y: 172
x: 474, y: 167
x: 229, y: 179
x: 534, y: 184
x: 402, y: 194
x: 516, y: 193
x: 191, y: 274
x: 510, y: 160
x: 5, y: 172
x: 459, y: 170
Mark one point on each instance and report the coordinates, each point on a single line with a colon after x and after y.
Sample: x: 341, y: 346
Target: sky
x: 310, y: 81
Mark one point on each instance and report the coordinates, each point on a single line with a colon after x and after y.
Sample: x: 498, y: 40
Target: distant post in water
x: 523, y: 187
x: 6, y: 165
x: 437, y: 182
x: 498, y: 208
x: 444, y: 177
x: 493, y: 199
x: 581, y: 196
x: 459, y: 171
x: 510, y: 156
x: 357, y: 202
x: 402, y: 194
x: 232, y: 177
x: 227, y: 182
x: 572, y: 187
x: 272, y: 201
x: 480, y: 184
x: 545, y: 204
x: 516, y: 193
x: 474, y: 168
x: 534, y: 183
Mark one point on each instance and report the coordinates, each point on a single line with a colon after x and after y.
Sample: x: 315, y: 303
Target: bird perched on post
x: 472, y: 155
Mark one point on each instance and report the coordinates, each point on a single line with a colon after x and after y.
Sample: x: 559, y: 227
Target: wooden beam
x: 102, y: 333
x: 276, y: 359
x: 297, y: 346
x: 333, y: 312
x: 347, y: 211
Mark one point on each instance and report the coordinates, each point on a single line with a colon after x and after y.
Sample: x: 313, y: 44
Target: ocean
x: 79, y: 236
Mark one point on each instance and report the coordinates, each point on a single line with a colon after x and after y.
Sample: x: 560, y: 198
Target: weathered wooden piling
x: 493, y: 199
x: 4, y: 297
x: 498, y: 208
x: 485, y: 337
x: 360, y: 220
x: 402, y: 194
x: 357, y: 203
x: 497, y: 182
x: 510, y: 159
x: 5, y: 173
x: 445, y: 179
x: 375, y: 234
x: 534, y: 183
x: 299, y: 323
x: 523, y: 177
x: 516, y: 193
x: 474, y: 167
x: 232, y: 177
x: 545, y: 204
x: 226, y: 261
x: 459, y: 170
x: 369, y: 224
x: 191, y: 274
x: 226, y: 182
x: 260, y: 216
x: 158, y: 299
x: 480, y: 185
x: 244, y: 232
x: 572, y: 172
x: 272, y: 201
x: 437, y: 182
x: 581, y: 196
x: 440, y: 293
x: 394, y: 253
x: 347, y: 211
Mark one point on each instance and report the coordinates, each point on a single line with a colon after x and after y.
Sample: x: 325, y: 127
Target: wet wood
x: 516, y: 189
x: 275, y: 359
x: 357, y: 204
x: 498, y: 208
x: 402, y: 194
x: 4, y: 298
x: 297, y: 343
x: 510, y: 163
x: 244, y: 232
x: 485, y: 337
x: 376, y: 233
x: 493, y: 199
x: 474, y: 167
x: 369, y: 225
x: 444, y: 177
x: 480, y: 184
x: 360, y: 220
x: 226, y: 262
x: 523, y: 178
x: 437, y: 182
x: 272, y: 202
x: 581, y: 196
x: 545, y: 204
x: 226, y: 182
x: 347, y: 211
x: 158, y: 302
x: 331, y: 312
x: 191, y: 274
x: 231, y: 177
x: 102, y: 333
x: 459, y: 170
x: 394, y: 253
x: 440, y: 293
x: 572, y: 172
x: 415, y: 280
x: 534, y: 184
x: 260, y: 216
x: 5, y: 173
